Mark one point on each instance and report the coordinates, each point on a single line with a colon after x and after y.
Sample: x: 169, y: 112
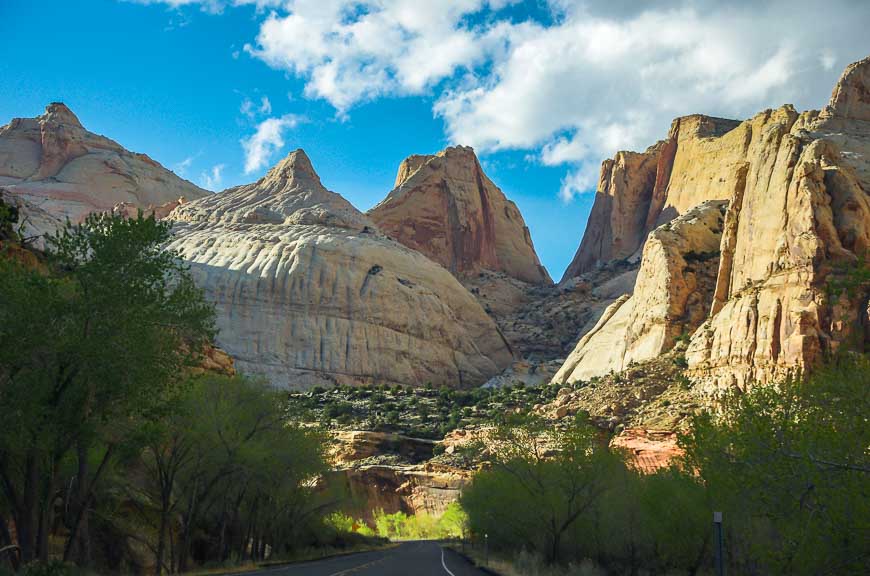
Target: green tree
x: 789, y: 467
x: 249, y: 482
x: 541, y: 480
x: 88, y: 349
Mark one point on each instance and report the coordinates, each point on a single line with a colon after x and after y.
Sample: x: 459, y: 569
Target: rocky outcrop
x: 53, y: 169
x: 802, y: 218
x: 648, y: 450
x: 447, y: 208
x: 353, y: 445
x: 544, y: 322
x: 307, y: 291
x: 638, y: 192
x: 672, y: 296
x: 797, y: 217
x: 393, y: 473
x: 412, y: 489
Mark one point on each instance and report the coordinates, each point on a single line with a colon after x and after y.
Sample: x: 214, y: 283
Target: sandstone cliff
x: 672, y: 295
x: 796, y: 190
x: 446, y: 207
x: 52, y: 168
x: 802, y: 216
x: 308, y: 292
x: 639, y: 191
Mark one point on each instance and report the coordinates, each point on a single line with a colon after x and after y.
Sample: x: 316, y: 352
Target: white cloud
x: 213, y: 6
x: 247, y: 108
x: 265, y: 105
x: 596, y: 77
x: 268, y: 139
x: 595, y: 83
x: 579, y: 180
x: 828, y: 59
x: 356, y: 50
x: 212, y: 179
x: 182, y: 167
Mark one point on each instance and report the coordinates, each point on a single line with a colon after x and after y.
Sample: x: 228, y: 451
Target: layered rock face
x: 409, y: 488
x: 648, y: 450
x: 308, y: 292
x: 445, y: 207
x: 637, y: 192
x: 394, y: 473
x: 544, y: 322
x: 54, y: 169
x: 795, y: 186
x: 672, y: 296
x: 803, y: 215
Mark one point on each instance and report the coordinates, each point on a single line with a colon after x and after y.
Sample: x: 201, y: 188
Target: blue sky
x: 544, y: 90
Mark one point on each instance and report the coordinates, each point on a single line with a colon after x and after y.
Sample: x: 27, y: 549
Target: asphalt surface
x: 425, y: 558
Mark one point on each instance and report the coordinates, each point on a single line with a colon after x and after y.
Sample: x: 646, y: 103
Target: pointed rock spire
x: 289, y: 193
x: 444, y: 206
x: 295, y: 165
x: 851, y: 96
x: 60, y: 113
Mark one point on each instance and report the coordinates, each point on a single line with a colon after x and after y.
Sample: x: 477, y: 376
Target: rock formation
x: 798, y: 213
x: 648, y: 450
x: 308, y: 292
x: 672, y: 296
x: 409, y: 488
x: 543, y: 322
x: 52, y: 168
x: 803, y: 216
x: 445, y: 207
x: 394, y: 473
x: 700, y: 160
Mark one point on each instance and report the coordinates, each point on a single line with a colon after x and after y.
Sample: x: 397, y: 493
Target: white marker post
x: 718, y: 551
x: 486, y: 549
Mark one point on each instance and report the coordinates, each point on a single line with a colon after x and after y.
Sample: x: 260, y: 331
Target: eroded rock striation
x: 795, y: 186
x: 444, y: 206
x: 308, y: 292
x: 54, y: 169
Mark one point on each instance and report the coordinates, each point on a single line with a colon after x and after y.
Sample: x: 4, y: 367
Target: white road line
x: 446, y: 569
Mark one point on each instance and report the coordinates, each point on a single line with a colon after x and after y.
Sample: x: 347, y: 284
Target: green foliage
x: 790, y: 469
x: 8, y: 220
x: 418, y: 412
x: 788, y: 465
x: 849, y: 280
x: 401, y: 526
x: 341, y: 522
x: 542, y: 480
x: 89, y: 351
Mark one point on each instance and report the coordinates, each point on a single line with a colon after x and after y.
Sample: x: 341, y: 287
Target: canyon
x: 706, y: 266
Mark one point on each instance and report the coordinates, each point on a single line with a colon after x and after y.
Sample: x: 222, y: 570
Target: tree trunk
x: 25, y: 521
x: 184, y: 543
x: 161, y: 541
x: 6, y: 540
x: 554, y: 553
x: 82, y: 536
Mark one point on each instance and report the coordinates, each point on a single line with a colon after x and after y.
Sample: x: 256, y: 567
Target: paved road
x: 424, y: 558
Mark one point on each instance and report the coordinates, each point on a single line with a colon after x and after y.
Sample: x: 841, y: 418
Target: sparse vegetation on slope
x: 419, y: 412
